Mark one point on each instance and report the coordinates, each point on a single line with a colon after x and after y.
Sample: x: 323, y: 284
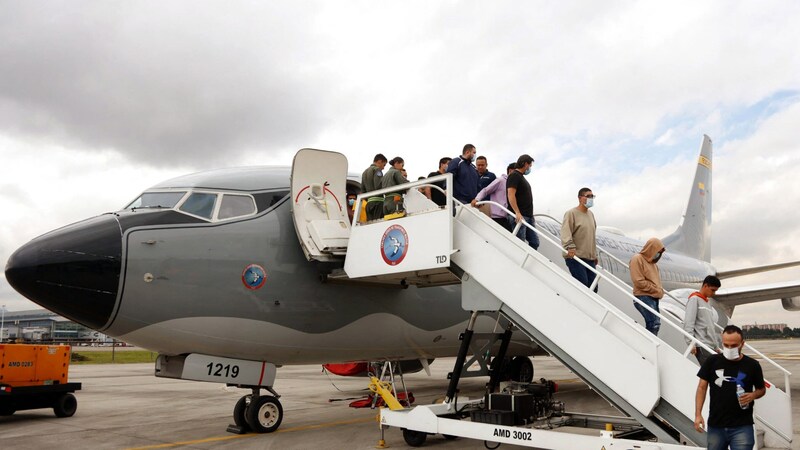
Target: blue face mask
x: 589, y: 202
x: 351, y: 201
x: 527, y: 172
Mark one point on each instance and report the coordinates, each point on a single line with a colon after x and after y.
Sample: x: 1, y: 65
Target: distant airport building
x: 765, y: 326
x: 40, y: 325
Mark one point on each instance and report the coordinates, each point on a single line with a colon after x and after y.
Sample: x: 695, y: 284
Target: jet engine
x: 791, y: 303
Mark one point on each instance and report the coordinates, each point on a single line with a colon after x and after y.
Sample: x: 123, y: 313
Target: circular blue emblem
x: 394, y: 245
x: 254, y: 276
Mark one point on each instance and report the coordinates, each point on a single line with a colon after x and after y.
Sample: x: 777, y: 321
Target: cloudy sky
x: 99, y: 100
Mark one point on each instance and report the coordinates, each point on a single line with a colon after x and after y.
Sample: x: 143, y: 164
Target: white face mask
x: 730, y: 353
x: 589, y: 202
x: 657, y: 256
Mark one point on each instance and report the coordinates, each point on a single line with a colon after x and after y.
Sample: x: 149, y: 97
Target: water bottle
x: 739, y: 393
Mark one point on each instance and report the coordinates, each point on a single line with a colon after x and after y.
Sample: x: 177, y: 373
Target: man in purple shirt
x: 496, y: 191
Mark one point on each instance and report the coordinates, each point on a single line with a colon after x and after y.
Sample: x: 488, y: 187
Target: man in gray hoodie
x: 699, y: 319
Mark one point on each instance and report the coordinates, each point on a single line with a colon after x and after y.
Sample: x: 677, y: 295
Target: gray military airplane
x: 208, y: 270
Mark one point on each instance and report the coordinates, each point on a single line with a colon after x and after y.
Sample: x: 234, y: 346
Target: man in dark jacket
x: 465, y: 175
x: 485, y: 177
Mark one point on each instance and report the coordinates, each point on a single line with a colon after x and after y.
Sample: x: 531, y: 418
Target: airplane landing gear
x: 239, y: 414
x: 257, y: 413
x: 265, y: 413
x: 253, y: 412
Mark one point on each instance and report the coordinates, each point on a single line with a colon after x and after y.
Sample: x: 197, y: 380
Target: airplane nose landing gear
x: 253, y: 412
x: 265, y: 413
x: 257, y: 413
x: 240, y: 416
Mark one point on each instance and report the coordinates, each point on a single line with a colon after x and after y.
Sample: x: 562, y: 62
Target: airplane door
x: 319, y: 199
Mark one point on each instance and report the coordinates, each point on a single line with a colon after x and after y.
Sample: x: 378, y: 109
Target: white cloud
x: 667, y: 138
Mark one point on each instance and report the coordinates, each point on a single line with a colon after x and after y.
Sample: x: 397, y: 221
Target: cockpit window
x: 157, y: 200
x: 207, y: 204
x: 199, y: 204
x: 235, y: 206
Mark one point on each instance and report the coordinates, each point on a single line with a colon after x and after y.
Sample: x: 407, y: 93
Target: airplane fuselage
x: 181, y: 286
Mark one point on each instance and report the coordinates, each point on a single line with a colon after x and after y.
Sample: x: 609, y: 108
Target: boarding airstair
x: 639, y: 374
x: 604, y: 347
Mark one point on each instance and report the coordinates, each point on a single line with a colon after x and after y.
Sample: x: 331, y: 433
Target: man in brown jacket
x: 647, y: 281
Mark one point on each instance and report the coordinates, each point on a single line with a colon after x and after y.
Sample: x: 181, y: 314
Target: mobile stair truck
x: 34, y: 377
x: 650, y: 381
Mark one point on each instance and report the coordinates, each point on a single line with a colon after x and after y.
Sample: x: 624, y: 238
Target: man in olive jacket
x: 647, y: 281
x: 371, y: 180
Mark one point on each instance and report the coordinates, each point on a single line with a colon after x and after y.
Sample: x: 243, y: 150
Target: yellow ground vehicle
x: 35, y: 376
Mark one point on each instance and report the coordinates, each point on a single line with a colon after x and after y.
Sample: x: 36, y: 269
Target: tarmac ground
x: 124, y: 406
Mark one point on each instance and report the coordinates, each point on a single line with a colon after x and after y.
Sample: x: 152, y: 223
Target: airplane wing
x: 751, y: 270
x: 757, y: 293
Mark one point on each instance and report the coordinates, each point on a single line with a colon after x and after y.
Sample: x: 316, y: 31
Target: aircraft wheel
x: 65, y: 405
x: 414, y: 438
x: 240, y: 413
x: 521, y: 369
x: 265, y: 413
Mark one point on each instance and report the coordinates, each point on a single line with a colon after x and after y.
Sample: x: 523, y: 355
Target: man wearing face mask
x: 351, y: 205
x: 578, y: 237
x: 465, y: 175
x: 735, y: 381
x: 520, y: 199
x: 436, y: 195
x: 647, y: 281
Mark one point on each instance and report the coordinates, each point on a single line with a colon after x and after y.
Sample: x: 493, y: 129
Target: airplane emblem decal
x: 394, y: 245
x: 254, y: 277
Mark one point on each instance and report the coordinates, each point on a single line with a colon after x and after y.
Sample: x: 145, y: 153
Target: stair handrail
x: 601, y: 249
x: 426, y: 182
x: 611, y: 279
x: 786, y: 373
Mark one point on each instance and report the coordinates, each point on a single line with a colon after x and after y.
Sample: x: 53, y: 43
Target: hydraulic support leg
x: 494, y: 374
x: 455, y: 375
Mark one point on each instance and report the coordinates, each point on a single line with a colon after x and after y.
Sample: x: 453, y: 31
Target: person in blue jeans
x: 646, y: 281
x: 578, y: 238
x: 520, y: 199
x: 735, y: 381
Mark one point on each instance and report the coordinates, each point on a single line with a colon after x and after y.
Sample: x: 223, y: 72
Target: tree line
x: 763, y: 333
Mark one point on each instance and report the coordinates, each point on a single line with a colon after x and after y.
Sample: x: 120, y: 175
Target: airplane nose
x: 73, y: 271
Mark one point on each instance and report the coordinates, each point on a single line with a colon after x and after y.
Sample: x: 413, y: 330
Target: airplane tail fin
x: 693, y: 236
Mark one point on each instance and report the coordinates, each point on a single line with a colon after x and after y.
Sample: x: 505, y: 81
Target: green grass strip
x: 120, y: 357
